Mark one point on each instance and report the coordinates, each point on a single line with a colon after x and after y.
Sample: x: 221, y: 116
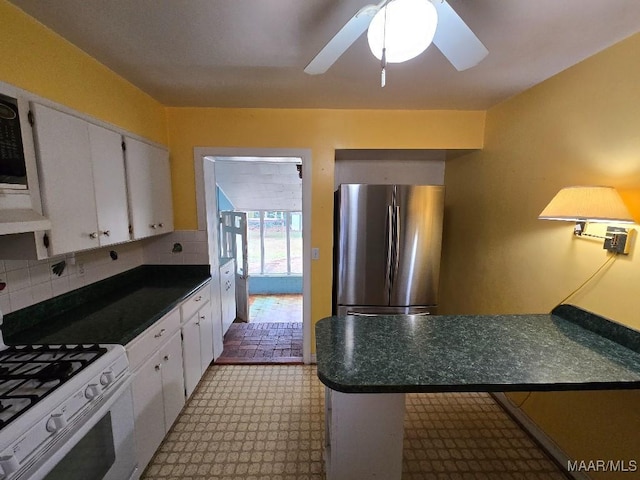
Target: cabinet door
x: 172, y: 379
x: 191, y: 353
x: 149, y: 187
x: 228, y: 295
x: 206, y: 336
x: 66, y: 179
x: 110, y: 185
x: 162, y: 197
x: 148, y: 408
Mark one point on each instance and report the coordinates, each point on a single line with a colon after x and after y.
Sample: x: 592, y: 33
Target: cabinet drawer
x: 152, y: 338
x: 192, y: 304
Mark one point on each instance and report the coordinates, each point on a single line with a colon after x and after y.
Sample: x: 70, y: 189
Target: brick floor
x: 252, y: 343
x: 273, y: 334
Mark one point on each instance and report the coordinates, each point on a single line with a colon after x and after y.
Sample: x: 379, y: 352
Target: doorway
x: 207, y: 161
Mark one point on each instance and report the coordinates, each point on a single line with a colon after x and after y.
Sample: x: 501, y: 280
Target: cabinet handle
x: 197, y: 323
x: 106, y: 233
x: 198, y: 298
x: 202, y: 317
x: 161, y: 225
x: 93, y: 235
x: 157, y: 367
x: 166, y: 358
x: 153, y: 225
x: 160, y: 333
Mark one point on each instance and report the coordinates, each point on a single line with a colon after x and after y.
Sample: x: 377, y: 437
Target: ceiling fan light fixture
x: 410, y: 26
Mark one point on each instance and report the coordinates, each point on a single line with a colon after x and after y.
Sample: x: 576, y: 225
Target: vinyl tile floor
x: 267, y: 423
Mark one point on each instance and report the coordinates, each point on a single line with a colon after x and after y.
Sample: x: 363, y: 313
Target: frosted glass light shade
x: 410, y: 26
x: 587, y: 204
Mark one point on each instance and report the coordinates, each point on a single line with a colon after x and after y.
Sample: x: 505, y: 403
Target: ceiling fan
x: 442, y: 26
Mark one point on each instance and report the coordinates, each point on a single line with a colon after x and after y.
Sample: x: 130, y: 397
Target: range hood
x: 21, y: 220
x: 17, y: 214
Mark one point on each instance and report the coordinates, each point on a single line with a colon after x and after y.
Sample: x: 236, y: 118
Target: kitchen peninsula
x: 368, y: 363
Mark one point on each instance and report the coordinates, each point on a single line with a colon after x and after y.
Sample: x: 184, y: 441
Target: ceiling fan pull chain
x: 383, y: 60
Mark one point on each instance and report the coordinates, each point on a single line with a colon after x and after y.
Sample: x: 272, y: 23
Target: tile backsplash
x: 29, y: 281
x: 192, y: 250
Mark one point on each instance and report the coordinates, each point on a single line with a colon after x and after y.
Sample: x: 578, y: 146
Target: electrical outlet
x: 315, y: 253
x: 80, y: 268
x: 618, y: 240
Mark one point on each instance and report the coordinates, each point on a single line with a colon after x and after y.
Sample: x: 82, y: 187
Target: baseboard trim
x: 541, y: 438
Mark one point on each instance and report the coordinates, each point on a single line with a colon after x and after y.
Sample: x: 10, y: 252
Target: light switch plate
x: 315, y: 253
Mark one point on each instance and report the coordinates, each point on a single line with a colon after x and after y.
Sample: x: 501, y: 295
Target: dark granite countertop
x: 569, y: 349
x: 115, y: 310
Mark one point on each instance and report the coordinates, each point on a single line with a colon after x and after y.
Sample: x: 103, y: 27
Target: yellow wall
x: 38, y: 60
x: 41, y: 62
x: 580, y: 127
x: 321, y: 131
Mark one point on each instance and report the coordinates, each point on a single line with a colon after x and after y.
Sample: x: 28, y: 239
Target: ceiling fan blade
x: 342, y: 40
x: 455, y: 39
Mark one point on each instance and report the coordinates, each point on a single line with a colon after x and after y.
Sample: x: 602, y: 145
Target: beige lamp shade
x: 587, y: 204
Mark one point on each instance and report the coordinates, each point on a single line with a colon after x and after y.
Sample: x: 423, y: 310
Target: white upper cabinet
x: 149, y: 188
x: 110, y: 185
x: 82, y: 181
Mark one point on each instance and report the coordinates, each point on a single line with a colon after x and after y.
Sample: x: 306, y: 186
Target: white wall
x: 390, y: 171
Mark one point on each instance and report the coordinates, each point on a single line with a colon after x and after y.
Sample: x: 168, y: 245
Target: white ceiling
x: 251, y: 53
x: 251, y: 184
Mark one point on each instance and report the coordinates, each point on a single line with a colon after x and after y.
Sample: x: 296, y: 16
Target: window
x: 275, y: 242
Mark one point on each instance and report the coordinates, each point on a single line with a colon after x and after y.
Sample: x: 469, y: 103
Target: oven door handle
x: 75, y: 430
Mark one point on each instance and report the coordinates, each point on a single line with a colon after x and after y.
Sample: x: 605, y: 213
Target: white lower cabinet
x: 158, y: 397
x: 168, y: 360
x: 191, y: 357
x: 158, y: 383
x: 206, y: 337
x: 197, y: 338
x: 228, y: 294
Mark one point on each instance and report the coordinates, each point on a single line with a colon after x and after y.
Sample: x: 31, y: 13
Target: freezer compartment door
x: 418, y: 241
x: 363, y: 254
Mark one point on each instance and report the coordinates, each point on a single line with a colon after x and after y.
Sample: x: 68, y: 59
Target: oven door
x: 100, y: 448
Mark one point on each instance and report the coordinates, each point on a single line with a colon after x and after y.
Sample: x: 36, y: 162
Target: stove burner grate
x: 29, y: 373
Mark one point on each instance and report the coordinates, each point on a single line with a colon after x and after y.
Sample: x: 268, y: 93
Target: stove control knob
x: 9, y: 464
x: 92, y: 391
x: 106, y: 378
x: 56, y: 422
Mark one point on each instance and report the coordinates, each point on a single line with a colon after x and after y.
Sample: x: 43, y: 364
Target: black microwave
x: 13, y: 171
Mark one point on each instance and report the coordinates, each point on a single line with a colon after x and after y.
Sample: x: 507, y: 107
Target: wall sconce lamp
x: 592, y: 204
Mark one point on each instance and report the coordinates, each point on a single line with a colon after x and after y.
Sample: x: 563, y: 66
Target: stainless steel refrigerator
x: 387, y: 243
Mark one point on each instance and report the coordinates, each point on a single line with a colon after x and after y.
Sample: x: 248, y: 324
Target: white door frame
x: 207, y: 154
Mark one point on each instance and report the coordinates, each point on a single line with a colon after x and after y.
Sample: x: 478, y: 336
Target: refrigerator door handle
x: 389, y: 247
x: 396, y: 244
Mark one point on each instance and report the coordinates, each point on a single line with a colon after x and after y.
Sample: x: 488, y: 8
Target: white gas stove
x: 66, y: 412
